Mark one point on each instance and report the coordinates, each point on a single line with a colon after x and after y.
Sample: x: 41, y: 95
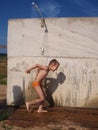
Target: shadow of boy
x: 51, y: 84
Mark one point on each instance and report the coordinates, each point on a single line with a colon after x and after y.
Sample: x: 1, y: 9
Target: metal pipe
x: 37, y: 8
x: 43, y: 20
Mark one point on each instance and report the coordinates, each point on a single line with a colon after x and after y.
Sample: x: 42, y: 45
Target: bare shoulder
x: 46, y: 68
x: 42, y: 67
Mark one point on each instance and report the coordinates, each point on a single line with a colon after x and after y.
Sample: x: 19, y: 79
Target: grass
x: 4, y: 115
x: 3, y: 69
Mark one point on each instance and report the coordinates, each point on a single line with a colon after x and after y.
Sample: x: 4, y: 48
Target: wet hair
x: 54, y: 62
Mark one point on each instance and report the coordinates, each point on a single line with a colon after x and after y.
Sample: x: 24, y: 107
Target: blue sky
x: 10, y: 9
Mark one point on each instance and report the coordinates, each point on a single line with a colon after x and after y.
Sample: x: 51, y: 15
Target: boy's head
x: 53, y: 64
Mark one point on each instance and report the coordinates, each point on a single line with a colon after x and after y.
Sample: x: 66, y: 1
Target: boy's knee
x: 42, y: 99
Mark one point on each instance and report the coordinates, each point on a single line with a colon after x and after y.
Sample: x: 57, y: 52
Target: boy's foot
x: 28, y: 106
x: 39, y: 111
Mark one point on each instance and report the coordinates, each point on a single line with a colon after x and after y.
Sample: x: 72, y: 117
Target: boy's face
x: 54, y: 67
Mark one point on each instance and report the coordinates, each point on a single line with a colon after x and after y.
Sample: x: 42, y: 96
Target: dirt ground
x: 56, y: 119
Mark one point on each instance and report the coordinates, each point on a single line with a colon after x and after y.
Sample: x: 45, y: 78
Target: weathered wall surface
x: 73, y: 41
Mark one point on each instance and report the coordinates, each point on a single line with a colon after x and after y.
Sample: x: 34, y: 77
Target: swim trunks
x: 35, y: 84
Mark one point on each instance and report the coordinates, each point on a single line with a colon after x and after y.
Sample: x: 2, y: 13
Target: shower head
x: 33, y: 3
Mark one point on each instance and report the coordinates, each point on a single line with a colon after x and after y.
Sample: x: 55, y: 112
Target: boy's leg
x: 35, y: 101
x: 40, y: 109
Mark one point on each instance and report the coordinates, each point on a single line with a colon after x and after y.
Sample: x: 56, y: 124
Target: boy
x: 41, y: 74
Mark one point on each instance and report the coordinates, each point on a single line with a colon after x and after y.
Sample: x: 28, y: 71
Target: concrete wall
x: 73, y: 42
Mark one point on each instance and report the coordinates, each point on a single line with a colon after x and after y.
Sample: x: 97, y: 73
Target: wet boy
x: 42, y: 72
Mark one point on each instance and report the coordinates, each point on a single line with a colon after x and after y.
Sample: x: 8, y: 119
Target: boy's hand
x: 27, y: 71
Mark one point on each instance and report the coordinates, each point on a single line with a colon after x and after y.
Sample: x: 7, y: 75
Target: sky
x: 12, y: 9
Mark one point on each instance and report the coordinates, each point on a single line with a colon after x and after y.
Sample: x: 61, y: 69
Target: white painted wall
x: 72, y: 41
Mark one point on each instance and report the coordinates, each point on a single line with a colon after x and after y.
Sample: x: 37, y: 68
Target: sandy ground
x: 64, y: 125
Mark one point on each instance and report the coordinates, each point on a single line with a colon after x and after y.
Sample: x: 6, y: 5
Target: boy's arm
x: 37, y: 66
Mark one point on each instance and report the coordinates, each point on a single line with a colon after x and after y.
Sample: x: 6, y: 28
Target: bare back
x: 41, y: 74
